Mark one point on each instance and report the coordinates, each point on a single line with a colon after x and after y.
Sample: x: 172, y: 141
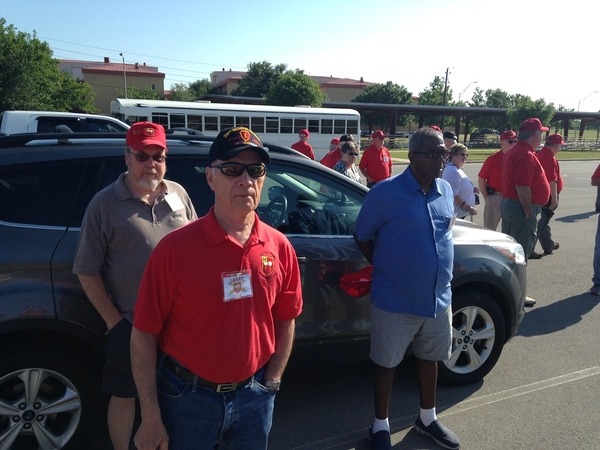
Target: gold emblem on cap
x: 148, y: 131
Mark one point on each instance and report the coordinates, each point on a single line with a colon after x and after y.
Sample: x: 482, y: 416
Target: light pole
x: 124, y: 76
x: 595, y: 92
x: 465, y: 89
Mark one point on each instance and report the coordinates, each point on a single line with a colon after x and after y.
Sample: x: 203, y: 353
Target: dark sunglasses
x: 143, y: 157
x: 512, y: 142
x: 353, y: 154
x: 462, y: 154
x: 434, y: 154
x: 232, y: 169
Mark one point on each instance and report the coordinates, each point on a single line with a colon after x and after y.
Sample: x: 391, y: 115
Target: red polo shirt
x: 522, y: 168
x: 331, y: 158
x: 596, y: 172
x: 551, y: 167
x: 491, y: 171
x: 182, y: 298
x: 304, y: 148
x: 377, y: 162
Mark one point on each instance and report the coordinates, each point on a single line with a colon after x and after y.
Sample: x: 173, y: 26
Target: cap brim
x: 138, y: 146
x: 357, y: 284
x: 264, y: 155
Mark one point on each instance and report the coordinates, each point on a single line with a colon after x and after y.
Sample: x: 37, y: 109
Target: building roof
x: 130, y: 69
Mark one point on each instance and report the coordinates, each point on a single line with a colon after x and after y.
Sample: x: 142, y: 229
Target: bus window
x: 313, y: 125
x: 226, y: 122
x: 211, y: 123
x: 258, y: 124
x: 327, y: 126
x: 299, y: 124
x: 161, y: 118
x: 242, y: 122
x: 286, y: 126
x: 177, y: 120
x: 272, y: 125
x: 340, y: 127
x: 352, y: 127
x: 194, y: 122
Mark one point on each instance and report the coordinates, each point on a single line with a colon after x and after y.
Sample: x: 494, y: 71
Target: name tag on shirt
x: 236, y: 285
x: 174, y: 201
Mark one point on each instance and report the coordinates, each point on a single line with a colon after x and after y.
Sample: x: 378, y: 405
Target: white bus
x: 275, y: 124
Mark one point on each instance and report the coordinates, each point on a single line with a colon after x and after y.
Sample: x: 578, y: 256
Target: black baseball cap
x: 450, y: 135
x: 232, y: 141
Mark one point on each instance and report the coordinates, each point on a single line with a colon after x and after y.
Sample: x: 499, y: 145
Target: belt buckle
x: 227, y: 387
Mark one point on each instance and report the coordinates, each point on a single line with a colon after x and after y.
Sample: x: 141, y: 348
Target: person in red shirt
x: 525, y: 188
x: 376, y: 162
x: 490, y: 181
x: 335, y: 153
x: 220, y: 298
x: 547, y: 158
x: 303, y: 146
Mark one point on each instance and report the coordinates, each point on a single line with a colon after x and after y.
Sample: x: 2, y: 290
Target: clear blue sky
x: 531, y: 47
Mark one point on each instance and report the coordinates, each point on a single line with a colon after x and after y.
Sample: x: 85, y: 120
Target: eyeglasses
x: 434, y: 154
x: 512, y: 142
x: 232, y: 169
x: 466, y: 155
x: 143, y: 157
x: 353, y: 154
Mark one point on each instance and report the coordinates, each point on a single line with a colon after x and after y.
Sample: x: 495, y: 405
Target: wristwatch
x: 273, y: 385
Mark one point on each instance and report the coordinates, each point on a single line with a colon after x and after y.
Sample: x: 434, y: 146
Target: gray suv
x: 52, y: 340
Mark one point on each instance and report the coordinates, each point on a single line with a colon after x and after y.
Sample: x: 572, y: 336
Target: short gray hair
x: 418, y: 138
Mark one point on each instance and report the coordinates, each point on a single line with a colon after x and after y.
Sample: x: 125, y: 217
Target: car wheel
x: 478, y: 335
x: 49, y: 398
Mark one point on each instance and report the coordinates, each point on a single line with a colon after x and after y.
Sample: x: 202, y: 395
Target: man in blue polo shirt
x: 405, y: 230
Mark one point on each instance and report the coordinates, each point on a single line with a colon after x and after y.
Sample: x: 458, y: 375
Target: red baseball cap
x: 379, y: 134
x: 304, y: 133
x: 533, y: 124
x: 509, y: 134
x: 357, y: 284
x: 436, y: 128
x: 143, y: 134
x: 334, y: 141
x: 554, y: 139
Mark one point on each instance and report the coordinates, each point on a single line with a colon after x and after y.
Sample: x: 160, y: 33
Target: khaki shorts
x: 392, y: 333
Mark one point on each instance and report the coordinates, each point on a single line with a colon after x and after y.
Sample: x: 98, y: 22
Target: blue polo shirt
x: 413, y: 251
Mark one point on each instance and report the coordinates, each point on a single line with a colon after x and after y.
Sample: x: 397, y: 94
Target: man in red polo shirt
x: 525, y: 188
x: 219, y: 298
x: 547, y: 158
x: 303, y: 146
x: 376, y: 162
x: 490, y: 181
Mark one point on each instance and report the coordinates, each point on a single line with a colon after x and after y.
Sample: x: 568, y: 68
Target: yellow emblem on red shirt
x: 268, y: 265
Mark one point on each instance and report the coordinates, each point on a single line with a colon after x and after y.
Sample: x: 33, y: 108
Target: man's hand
x: 151, y: 435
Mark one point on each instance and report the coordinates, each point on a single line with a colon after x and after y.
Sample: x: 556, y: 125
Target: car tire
x: 478, y: 336
x: 54, y: 398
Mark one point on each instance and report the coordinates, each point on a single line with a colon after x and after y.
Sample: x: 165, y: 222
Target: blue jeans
x: 596, y: 278
x: 198, y: 418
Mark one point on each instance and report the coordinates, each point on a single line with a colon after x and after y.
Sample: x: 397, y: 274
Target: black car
x: 52, y: 339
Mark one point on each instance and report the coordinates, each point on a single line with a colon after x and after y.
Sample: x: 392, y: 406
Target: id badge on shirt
x: 174, y: 201
x: 236, y: 285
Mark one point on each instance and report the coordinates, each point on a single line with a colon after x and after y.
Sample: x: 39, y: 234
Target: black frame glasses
x: 434, y: 154
x: 352, y: 153
x: 143, y: 157
x: 512, y: 142
x: 234, y: 169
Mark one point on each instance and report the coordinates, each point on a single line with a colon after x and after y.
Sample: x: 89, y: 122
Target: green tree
x: 259, y: 79
x: 525, y: 108
x: 390, y: 93
x: 492, y: 98
x: 145, y: 93
x: 180, y: 92
x: 30, y: 78
x: 434, y: 95
x: 201, y: 87
x: 295, y: 88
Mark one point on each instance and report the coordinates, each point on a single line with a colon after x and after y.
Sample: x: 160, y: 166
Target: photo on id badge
x: 236, y: 285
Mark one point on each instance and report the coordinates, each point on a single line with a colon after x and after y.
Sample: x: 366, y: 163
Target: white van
x: 12, y: 122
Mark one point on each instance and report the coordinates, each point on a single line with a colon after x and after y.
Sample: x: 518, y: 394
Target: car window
x: 190, y: 173
x: 39, y: 194
x: 49, y: 124
x: 99, y: 125
x: 300, y: 201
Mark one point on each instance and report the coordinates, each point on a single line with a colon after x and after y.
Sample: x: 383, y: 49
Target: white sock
x: 380, y: 424
x: 428, y: 416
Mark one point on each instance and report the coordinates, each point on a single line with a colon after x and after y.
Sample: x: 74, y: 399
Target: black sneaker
x: 441, y: 435
x: 535, y: 255
x: 380, y: 440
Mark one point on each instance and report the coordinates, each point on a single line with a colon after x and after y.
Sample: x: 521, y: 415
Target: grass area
x: 478, y: 155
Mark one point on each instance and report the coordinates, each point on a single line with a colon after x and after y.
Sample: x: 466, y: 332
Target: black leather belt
x: 185, y: 374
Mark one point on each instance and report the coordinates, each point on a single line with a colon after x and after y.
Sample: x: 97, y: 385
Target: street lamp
x: 124, y: 76
x: 465, y: 89
x: 595, y: 92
